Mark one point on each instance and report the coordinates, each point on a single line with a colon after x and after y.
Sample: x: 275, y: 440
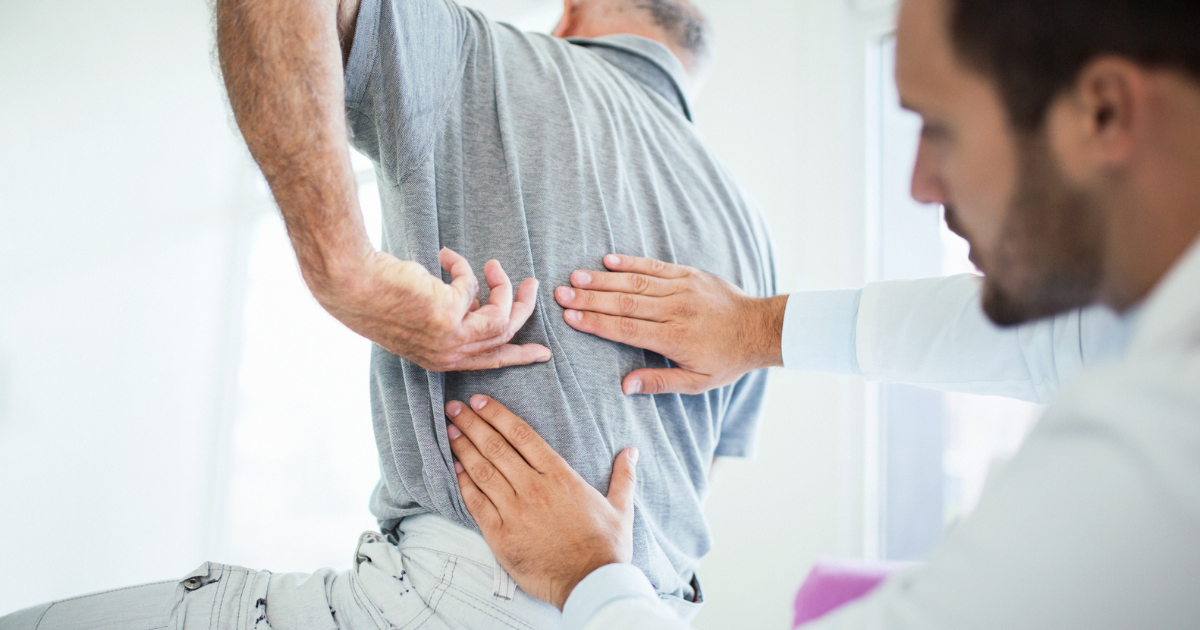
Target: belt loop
x: 503, y: 585
x: 366, y: 539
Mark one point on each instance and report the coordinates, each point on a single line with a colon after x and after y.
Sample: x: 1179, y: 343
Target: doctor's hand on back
x: 712, y: 331
x: 548, y: 528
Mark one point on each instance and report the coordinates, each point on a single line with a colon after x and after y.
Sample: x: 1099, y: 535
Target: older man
x: 537, y: 154
x: 1063, y: 137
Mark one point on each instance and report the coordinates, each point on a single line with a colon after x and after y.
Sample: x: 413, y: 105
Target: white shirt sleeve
x: 933, y: 333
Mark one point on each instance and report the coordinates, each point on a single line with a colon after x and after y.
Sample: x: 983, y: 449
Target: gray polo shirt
x: 546, y: 155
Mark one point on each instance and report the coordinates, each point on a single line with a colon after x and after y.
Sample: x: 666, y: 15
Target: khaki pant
x: 438, y: 576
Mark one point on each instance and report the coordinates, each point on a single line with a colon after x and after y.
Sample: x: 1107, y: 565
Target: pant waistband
x: 441, y: 534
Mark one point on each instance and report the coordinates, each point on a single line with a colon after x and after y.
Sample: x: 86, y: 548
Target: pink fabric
x: 833, y: 583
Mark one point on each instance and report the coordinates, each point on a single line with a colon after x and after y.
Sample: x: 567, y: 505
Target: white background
x: 131, y: 238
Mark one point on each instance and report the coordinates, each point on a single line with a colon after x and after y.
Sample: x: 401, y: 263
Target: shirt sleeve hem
x: 820, y: 330
x: 602, y: 587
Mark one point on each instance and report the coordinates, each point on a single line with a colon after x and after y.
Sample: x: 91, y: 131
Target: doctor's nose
x: 926, y: 182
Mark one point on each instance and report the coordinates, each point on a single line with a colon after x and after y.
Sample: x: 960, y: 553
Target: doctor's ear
x: 566, y: 24
x: 1112, y: 101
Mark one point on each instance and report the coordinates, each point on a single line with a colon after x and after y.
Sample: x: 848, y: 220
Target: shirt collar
x: 1169, y: 319
x: 647, y: 61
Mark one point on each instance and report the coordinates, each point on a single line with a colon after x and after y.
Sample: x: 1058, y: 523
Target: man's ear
x: 566, y: 24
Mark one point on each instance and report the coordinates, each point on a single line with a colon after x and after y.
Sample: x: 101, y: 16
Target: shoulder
x: 1142, y: 413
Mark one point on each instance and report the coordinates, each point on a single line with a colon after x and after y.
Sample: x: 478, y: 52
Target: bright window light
x: 303, y: 460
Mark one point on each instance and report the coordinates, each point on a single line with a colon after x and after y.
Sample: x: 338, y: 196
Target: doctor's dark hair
x: 1035, y: 49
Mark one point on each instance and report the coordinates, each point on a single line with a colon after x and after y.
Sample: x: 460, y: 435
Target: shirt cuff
x: 602, y: 587
x: 819, y: 332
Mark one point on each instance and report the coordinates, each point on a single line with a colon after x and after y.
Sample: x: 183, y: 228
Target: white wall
x: 785, y: 108
x: 119, y: 181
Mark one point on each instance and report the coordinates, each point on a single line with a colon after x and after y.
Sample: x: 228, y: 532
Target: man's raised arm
x: 282, y: 61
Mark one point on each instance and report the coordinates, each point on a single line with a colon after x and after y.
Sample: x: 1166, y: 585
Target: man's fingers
x: 462, y: 277
x: 523, y: 307
x: 622, y: 486
x: 518, y: 434
x: 634, y: 332
x: 500, y: 287
x: 501, y: 317
x: 648, y: 266
x: 481, y: 469
x: 486, y: 442
x: 621, y: 304
x: 667, y: 381
x: 504, y: 356
x: 478, y: 503
x: 636, y: 283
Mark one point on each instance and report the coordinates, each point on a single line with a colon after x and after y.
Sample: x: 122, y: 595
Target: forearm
x: 282, y: 65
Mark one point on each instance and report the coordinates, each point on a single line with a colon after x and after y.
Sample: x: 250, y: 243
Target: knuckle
x: 560, y: 478
x: 482, y: 473
x: 523, y: 434
x: 444, y: 324
x: 628, y: 328
x: 494, y: 327
x: 640, y: 283
x: 475, y: 503
x: 627, y: 304
x: 657, y: 383
x: 494, y: 447
x: 657, y: 266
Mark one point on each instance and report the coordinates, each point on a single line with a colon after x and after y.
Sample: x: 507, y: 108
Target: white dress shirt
x: 1096, y: 521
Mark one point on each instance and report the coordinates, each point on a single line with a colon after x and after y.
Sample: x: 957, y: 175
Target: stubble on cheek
x: 1048, y: 257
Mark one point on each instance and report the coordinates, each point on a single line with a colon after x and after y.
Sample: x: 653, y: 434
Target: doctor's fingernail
x: 581, y: 278
x: 633, y: 386
x: 573, y: 316
x: 458, y: 467
x: 566, y: 294
x: 479, y: 401
x: 453, y: 408
x: 612, y: 260
x: 454, y: 432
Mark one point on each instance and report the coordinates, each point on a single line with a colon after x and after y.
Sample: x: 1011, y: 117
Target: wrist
x: 568, y: 586
x: 764, y: 339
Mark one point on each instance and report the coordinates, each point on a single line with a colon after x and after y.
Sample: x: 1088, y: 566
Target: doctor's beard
x: 1050, y: 254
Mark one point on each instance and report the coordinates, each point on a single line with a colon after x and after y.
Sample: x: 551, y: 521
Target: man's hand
x: 707, y: 326
x: 438, y: 326
x: 548, y: 528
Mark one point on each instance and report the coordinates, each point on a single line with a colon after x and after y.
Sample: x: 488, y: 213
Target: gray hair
x: 683, y: 23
